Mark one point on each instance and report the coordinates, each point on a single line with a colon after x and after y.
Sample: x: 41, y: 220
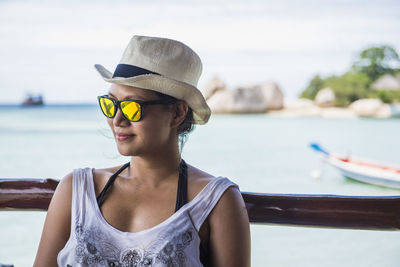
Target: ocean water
x: 261, y: 153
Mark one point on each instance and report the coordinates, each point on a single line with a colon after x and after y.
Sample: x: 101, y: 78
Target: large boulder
x: 273, y: 95
x: 395, y: 109
x: 238, y: 100
x: 325, y: 98
x: 387, y: 82
x: 244, y: 99
x: 371, y: 108
x: 214, y: 85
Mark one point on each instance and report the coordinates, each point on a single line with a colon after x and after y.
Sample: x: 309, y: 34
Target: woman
x: 155, y: 210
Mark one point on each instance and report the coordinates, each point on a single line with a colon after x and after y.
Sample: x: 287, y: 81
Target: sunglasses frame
x: 117, y: 105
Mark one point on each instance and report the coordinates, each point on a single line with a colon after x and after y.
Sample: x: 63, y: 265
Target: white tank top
x: 173, y: 242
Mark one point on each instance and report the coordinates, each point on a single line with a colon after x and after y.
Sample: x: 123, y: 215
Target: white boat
x: 366, y: 171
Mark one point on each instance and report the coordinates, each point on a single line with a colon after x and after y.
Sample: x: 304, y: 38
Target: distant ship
x: 33, y: 100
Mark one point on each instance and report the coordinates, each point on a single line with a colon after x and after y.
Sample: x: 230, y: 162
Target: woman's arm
x: 230, y: 231
x: 57, y: 225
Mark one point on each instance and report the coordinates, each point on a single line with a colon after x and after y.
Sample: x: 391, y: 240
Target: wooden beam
x: 351, y: 212
x: 26, y: 194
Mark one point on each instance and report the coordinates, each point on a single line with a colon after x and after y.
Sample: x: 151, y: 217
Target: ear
x: 181, y: 108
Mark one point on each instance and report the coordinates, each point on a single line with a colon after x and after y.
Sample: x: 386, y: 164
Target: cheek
x: 110, y: 123
x: 154, y: 133
x: 157, y: 132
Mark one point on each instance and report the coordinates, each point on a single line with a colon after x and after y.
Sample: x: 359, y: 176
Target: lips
x: 123, y: 137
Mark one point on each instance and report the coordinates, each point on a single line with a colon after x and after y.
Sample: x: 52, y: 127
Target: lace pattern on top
x: 97, y: 248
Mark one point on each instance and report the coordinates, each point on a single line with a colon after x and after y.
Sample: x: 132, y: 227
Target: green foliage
x: 376, y: 61
x: 355, y: 84
x: 348, y: 88
x: 387, y: 96
x: 313, y: 87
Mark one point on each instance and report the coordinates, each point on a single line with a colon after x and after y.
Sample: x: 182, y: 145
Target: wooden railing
x: 352, y: 212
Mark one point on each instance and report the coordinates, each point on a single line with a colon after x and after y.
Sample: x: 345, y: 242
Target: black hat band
x: 128, y: 71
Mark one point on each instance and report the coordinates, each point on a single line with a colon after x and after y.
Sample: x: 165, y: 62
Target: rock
x: 273, y: 95
x: 395, y: 109
x: 384, y: 112
x: 238, y: 100
x: 271, y: 92
x: 371, y: 108
x: 387, y: 82
x: 325, y: 98
x: 244, y: 99
x: 214, y: 85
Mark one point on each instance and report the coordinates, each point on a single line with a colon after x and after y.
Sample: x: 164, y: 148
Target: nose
x: 119, y: 119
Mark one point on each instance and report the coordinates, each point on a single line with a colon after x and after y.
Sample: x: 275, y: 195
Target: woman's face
x: 149, y: 135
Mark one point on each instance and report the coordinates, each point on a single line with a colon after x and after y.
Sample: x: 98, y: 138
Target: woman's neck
x: 156, y: 168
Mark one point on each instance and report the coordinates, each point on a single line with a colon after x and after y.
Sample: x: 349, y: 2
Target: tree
x: 355, y: 84
x: 348, y: 88
x: 387, y: 96
x: 375, y: 61
x: 313, y: 87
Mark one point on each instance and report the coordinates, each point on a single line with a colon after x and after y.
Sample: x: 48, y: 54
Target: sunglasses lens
x: 131, y: 110
x: 107, y: 106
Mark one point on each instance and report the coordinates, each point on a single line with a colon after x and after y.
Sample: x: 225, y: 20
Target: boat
x: 33, y: 100
x: 366, y: 171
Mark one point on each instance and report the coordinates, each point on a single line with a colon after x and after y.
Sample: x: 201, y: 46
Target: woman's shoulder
x: 197, y: 180
x: 101, y: 176
x: 106, y: 171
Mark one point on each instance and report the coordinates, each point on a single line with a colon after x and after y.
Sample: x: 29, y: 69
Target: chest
x: 135, y: 208
x: 174, y: 243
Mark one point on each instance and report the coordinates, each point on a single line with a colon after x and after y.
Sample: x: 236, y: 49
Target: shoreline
x: 315, y: 111
x: 365, y: 108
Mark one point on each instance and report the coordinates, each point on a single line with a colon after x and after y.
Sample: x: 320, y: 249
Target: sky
x: 50, y: 47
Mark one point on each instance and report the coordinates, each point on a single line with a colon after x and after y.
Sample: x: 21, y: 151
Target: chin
x: 125, y: 153
x: 126, y: 150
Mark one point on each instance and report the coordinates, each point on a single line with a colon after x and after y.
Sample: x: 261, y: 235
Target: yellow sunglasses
x: 132, y: 110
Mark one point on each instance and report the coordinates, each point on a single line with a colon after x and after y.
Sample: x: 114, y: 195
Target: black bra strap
x: 181, y: 195
x: 100, y: 197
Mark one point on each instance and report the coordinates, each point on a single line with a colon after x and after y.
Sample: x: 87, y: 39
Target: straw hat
x: 163, y: 65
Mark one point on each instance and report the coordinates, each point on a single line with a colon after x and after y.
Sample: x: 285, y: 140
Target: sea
x: 261, y: 153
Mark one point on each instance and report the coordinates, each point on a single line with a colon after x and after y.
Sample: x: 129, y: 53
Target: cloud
x: 48, y: 41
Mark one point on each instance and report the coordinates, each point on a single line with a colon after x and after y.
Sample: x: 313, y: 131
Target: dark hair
x: 187, y: 125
